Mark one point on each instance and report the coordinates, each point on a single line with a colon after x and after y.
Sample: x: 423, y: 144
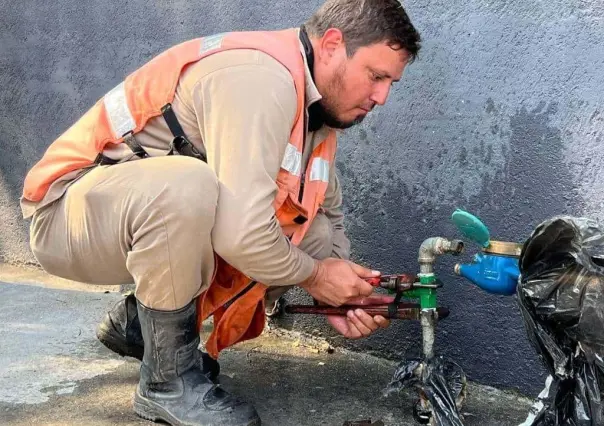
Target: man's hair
x: 365, y: 22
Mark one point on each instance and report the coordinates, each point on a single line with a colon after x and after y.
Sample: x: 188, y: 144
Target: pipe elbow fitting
x: 434, y: 246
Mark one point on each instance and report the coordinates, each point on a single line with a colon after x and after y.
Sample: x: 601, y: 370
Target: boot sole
x: 147, y: 410
x: 105, y: 336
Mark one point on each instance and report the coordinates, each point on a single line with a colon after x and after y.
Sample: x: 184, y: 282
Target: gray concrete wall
x: 501, y: 115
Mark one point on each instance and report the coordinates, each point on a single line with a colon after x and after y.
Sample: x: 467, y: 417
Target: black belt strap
x: 180, y: 143
x: 103, y: 160
x: 136, y: 147
x: 172, y: 121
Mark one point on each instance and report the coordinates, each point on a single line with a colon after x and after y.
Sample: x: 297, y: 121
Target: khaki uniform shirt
x: 239, y: 107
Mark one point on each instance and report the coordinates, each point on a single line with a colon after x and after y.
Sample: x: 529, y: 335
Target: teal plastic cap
x: 471, y: 227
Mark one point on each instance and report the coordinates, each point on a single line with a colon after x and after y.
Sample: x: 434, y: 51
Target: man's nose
x: 380, y: 94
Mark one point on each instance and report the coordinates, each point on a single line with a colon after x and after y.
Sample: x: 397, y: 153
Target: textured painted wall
x: 501, y: 115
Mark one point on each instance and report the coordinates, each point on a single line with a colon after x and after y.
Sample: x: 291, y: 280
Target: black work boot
x: 120, y: 331
x: 172, y: 387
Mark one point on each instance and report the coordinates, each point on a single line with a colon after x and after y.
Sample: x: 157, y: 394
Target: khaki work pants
x: 146, y: 222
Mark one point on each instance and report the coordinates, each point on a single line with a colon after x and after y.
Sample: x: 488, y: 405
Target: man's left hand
x: 357, y: 323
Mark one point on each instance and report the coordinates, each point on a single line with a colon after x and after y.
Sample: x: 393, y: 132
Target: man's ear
x: 330, y: 44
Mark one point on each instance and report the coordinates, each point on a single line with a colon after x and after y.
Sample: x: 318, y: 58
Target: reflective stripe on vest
x: 320, y: 170
x: 292, y: 160
x: 118, y: 111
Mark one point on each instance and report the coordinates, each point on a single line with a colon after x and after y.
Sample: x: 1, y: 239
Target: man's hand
x: 357, y: 323
x: 336, y: 281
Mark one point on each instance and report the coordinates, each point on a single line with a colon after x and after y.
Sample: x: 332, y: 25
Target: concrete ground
x: 53, y: 371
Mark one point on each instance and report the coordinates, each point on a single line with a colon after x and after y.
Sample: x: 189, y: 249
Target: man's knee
x: 318, y: 241
x: 50, y: 258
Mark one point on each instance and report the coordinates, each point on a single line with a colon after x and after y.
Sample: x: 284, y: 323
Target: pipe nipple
x: 456, y: 247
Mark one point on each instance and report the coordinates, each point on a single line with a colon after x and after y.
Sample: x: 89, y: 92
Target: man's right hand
x: 336, y: 281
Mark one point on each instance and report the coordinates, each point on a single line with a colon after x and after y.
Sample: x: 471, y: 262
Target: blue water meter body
x: 493, y: 272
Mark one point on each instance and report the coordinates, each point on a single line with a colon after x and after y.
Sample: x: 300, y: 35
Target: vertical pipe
x: 428, y: 327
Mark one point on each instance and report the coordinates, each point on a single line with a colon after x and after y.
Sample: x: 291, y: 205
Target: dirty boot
x: 120, y: 331
x: 172, y: 387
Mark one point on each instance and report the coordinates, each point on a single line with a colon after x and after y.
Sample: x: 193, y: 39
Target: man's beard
x: 324, y: 111
x: 321, y: 112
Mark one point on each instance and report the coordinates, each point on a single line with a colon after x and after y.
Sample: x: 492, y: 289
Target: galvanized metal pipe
x: 428, y: 322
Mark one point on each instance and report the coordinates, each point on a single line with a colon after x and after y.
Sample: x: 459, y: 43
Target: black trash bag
x: 561, y: 298
x: 441, y: 382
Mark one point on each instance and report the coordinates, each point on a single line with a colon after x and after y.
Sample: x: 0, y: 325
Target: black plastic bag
x: 440, y: 382
x: 561, y: 298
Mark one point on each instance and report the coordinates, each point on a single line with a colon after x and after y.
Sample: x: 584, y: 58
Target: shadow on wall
x: 484, y: 332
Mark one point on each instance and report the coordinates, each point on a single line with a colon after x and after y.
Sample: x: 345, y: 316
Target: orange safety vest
x: 233, y: 299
